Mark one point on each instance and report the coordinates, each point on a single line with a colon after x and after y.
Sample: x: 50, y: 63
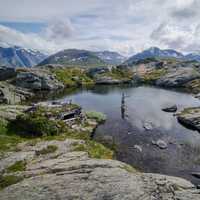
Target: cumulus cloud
x: 126, y: 26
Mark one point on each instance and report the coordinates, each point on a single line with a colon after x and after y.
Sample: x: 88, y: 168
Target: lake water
x: 127, y: 131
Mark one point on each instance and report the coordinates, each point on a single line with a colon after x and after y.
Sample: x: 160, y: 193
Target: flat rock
x: 66, y: 174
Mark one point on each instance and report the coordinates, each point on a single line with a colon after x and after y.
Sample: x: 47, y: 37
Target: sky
x: 126, y: 26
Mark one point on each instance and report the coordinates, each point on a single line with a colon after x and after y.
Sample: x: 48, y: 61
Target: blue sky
x: 126, y: 26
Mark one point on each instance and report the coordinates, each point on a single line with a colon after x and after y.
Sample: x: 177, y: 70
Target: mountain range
x: 20, y: 57
x: 17, y: 56
x: 155, y: 52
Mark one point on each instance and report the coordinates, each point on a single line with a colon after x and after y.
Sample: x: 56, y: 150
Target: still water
x: 128, y: 131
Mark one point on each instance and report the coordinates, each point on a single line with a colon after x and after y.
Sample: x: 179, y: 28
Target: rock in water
x: 170, y: 109
x: 160, y: 143
x: 190, y: 117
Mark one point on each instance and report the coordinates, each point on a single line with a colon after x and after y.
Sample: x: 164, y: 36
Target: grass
x: 72, y: 77
x: 153, y: 75
x: 98, y: 116
x: 49, y: 149
x: 95, y: 150
x: 17, y: 166
x: 8, y: 180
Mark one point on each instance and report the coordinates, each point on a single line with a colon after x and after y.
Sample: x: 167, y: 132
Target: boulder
x: 160, y: 143
x: 170, y: 108
x: 7, y: 73
x: 38, y: 80
x: 92, y: 72
x: 177, y: 77
x: 190, y: 117
x: 66, y: 174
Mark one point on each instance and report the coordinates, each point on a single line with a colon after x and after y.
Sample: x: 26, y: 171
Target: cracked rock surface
x: 68, y: 174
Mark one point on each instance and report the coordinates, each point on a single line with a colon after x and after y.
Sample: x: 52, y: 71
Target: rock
x: 160, y: 143
x: 190, y: 117
x: 38, y: 80
x: 7, y: 73
x: 196, y: 174
x: 107, y: 80
x: 178, y: 77
x: 10, y: 112
x: 10, y: 94
x: 170, y: 109
x: 66, y: 174
x: 148, y: 126
x: 92, y: 72
x: 138, y: 148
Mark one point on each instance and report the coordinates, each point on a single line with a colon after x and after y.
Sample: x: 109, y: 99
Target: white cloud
x: 127, y: 26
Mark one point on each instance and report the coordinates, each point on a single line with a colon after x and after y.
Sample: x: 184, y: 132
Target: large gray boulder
x: 177, y: 77
x: 66, y: 174
x: 7, y: 73
x: 38, y: 80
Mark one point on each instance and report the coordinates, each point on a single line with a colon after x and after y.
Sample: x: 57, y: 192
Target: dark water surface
x: 144, y: 106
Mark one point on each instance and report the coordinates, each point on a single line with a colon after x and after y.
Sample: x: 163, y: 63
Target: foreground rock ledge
x: 66, y: 174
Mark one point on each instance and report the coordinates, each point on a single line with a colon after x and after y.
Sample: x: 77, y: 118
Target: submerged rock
x: 66, y: 174
x: 170, y: 108
x: 148, y: 126
x: 160, y: 143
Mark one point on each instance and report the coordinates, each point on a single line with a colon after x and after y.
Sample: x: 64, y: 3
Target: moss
x: 95, y: 150
x: 8, y: 180
x: 3, y: 126
x: 98, y: 116
x: 129, y: 168
x: 71, y: 77
x: 17, y: 166
x: 47, y: 150
x: 152, y: 76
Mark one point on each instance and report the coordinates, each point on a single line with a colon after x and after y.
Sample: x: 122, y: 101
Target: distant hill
x: 110, y: 57
x: 74, y: 57
x: 154, y: 52
x: 20, y: 57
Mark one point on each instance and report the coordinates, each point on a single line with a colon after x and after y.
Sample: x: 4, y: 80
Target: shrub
x: 98, y: 116
x: 8, y: 180
x: 17, y: 166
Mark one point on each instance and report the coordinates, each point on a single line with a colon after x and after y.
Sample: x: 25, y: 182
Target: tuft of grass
x: 49, y: 149
x: 98, y: 116
x: 8, y: 180
x: 95, y: 150
x: 17, y: 166
x: 129, y: 168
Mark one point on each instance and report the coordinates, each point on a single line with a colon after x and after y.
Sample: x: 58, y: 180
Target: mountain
x: 74, y: 57
x: 110, y: 57
x: 155, y: 52
x: 193, y: 56
x: 20, y: 57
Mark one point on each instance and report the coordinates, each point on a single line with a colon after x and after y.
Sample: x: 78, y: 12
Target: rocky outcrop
x: 66, y: 174
x: 190, y: 117
x: 10, y: 94
x: 7, y: 73
x: 177, y: 77
x: 92, y: 72
x: 38, y: 80
x: 108, y: 80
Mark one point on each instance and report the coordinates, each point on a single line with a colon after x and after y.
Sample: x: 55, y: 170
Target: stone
x: 172, y: 108
x: 190, y: 117
x: 67, y: 174
x: 148, y: 126
x: 160, y: 143
x: 38, y: 80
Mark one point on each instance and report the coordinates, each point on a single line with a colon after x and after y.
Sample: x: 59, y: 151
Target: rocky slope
x: 20, y: 57
x: 64, y: 173
x: 74, y: 57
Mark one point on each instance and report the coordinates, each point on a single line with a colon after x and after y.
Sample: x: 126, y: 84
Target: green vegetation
x: 8, y: 180
x: 193, y: 86
x: 152, y: 76
x: 72, y: 77
x: 38, y: 123
x: 3, y: 126
x: 98, y: 116
x: 47, y: 150
x: 17, y: 166
x: 95, y: 150
x: 129, y: 168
